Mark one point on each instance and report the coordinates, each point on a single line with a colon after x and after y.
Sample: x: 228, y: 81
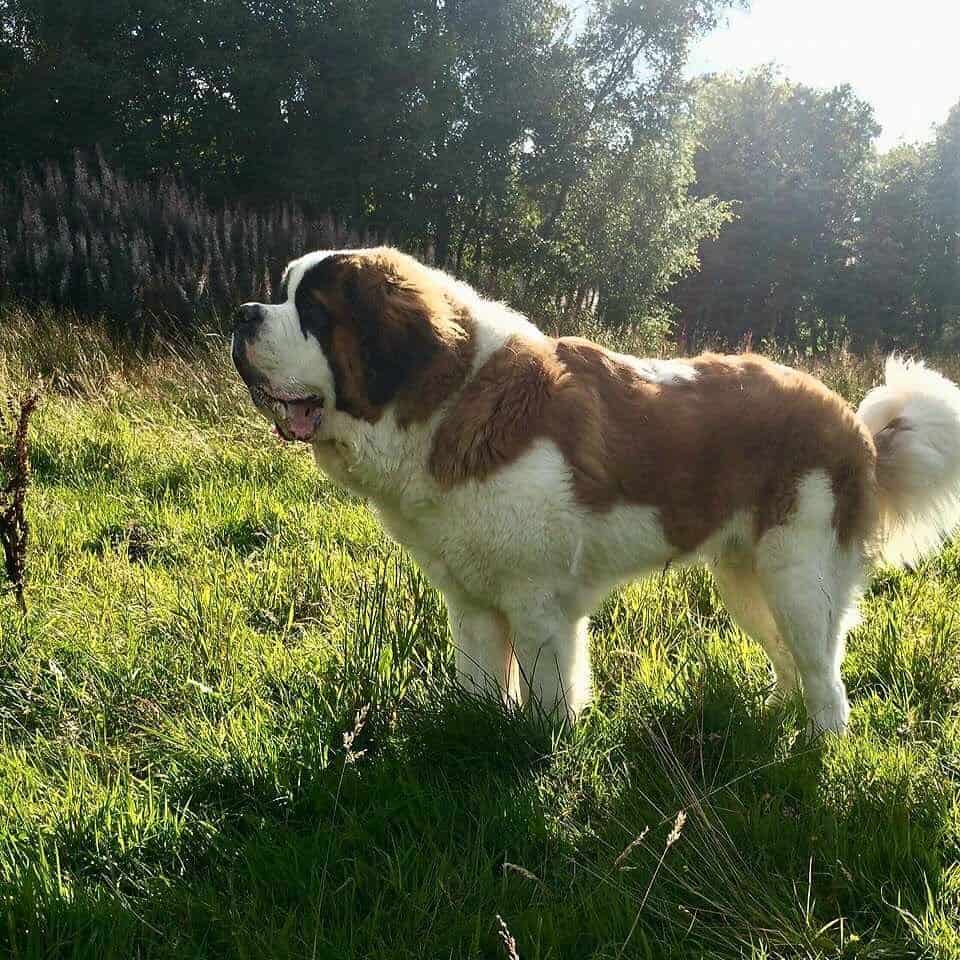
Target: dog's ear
x: 399, y: 317
x: 390, y: 330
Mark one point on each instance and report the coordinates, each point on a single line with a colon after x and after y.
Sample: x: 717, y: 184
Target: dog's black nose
x: 247, y: 319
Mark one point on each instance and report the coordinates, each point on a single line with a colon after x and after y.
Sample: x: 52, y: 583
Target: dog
x: 529, y: 475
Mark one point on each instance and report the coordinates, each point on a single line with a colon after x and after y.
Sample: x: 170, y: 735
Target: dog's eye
x: 314, y: 317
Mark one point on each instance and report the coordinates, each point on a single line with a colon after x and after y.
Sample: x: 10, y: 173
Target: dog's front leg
x: 553, y: 656
x: 484, y: 654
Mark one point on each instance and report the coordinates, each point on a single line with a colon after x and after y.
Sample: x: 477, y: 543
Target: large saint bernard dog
x: 529, y: 475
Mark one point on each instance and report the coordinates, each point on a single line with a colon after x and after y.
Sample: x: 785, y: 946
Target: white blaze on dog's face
x: 354, y: 331
x: 282, y: 362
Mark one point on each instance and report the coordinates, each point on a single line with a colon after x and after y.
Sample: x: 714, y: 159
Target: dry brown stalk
x: 14, y: 529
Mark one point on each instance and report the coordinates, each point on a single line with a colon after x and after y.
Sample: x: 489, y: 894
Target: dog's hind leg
x: 813, y: 586
x: 743, y: 596
x: 814, y: 607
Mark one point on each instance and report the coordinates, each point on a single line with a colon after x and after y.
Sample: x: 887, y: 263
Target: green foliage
x: 890, y: 282
x: 187, y: 770
x: 793, y: 161
x: 905, y: 284
x: 943, y: 211
x: 542, y: 158
x: 828, y: 240
x: 548, y: 158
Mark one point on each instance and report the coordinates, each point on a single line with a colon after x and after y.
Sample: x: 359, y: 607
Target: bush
x: 149, y: 256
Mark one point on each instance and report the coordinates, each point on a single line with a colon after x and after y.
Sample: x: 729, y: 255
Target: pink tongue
x: 302, y: 419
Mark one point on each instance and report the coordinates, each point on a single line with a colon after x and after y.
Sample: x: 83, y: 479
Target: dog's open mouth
x: 296, y: 418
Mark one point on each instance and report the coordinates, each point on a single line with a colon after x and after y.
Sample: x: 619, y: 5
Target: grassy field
x: 228, y: 728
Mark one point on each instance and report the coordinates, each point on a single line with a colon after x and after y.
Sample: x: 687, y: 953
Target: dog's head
x: 354, y: 333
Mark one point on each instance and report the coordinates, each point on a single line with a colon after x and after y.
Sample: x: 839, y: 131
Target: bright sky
x: 903, y: 56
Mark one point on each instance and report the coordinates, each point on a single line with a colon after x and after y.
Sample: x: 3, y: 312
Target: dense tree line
x: 905, y: 282
x: 488, y: 134
x: 828, y: 239
x: 556, y: 159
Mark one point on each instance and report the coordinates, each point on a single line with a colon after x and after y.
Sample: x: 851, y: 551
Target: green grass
x: 208, y: 617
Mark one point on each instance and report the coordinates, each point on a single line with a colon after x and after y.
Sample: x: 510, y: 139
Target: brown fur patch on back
x: 389, y: 330
x: 738, y: 437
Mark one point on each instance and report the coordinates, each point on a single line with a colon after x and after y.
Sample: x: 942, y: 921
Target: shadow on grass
x: 138, y: 542
x: 444, y: 810
x: 331, y: 853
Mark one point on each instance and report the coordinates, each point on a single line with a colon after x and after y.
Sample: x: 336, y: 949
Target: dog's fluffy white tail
x: 915, y: 421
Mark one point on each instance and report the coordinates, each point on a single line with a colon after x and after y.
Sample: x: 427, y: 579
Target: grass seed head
x: 630, y: 847
x: 520, y: 871
x: 509, y: 940
x: 349, y: 738
x: 674, y: 834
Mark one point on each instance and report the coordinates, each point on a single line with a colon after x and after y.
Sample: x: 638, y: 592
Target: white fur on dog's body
x: 521, y: 563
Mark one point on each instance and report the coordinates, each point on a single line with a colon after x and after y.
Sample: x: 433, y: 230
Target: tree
x: 542, y: 157
x: 794, y: 162
x: 904, y: 290
x: 602, y: 220
x: 886, y: 298
x: 943, y: 205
